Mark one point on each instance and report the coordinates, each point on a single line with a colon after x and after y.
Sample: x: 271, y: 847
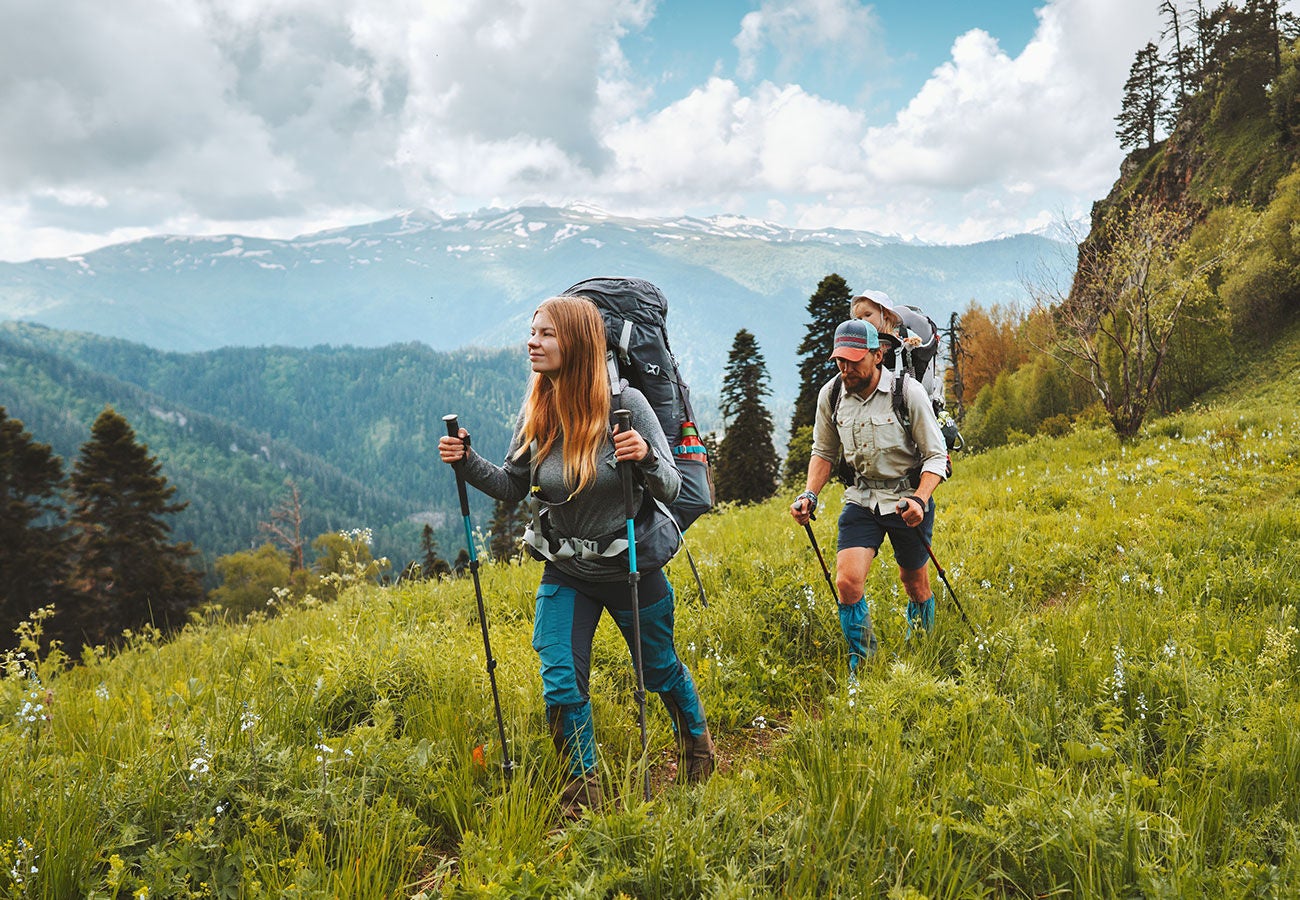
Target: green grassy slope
x: 1120, y: 719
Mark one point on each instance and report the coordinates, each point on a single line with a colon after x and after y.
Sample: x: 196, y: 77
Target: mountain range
x: 473, y: 280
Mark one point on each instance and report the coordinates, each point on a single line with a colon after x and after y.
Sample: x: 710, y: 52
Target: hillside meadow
x: 1118, y: 718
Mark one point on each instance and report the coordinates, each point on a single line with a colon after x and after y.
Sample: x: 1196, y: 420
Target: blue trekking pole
x: 507, y: 764
x: 623, y: 418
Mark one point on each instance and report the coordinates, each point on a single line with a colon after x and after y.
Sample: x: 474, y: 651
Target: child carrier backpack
x: 636, y: 337
x: 919, y: 358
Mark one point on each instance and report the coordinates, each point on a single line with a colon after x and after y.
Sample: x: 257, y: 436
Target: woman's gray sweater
x: 597, y: 512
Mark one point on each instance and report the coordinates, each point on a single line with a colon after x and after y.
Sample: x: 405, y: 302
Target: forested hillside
x: 353, y: 428
x: 1192, y: 264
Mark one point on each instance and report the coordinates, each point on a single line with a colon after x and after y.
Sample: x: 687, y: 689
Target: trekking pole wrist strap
x: 807, y: 495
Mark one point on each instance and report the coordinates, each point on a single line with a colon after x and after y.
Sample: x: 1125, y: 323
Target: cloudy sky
x: 947, y: 120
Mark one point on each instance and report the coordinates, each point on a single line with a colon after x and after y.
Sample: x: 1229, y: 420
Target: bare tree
x: 1181, y: 59
x: 1133, y: 284
x: 285, y: 525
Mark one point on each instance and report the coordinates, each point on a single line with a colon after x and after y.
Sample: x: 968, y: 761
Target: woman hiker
x: 564, y: 446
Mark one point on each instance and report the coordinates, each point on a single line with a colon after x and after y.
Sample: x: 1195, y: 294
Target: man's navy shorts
x: 861, y: 527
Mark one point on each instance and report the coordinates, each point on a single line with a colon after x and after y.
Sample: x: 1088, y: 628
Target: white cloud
x: 213, y: 110
x: 995, y: 144
x: 838, y: 32
x: 717, y: 138
x: 255, y: 115
x: 986, y: 117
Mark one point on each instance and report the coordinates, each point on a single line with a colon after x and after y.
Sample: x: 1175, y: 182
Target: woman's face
x: 544, y: 346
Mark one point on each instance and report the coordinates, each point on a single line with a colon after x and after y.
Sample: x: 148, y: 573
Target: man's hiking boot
x: 855, y: 623
x: 920, y: 617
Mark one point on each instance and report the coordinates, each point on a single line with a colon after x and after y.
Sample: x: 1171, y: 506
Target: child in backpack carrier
x: 919, y: 338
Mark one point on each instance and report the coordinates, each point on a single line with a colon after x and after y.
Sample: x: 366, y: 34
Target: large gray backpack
x: 636, y: 337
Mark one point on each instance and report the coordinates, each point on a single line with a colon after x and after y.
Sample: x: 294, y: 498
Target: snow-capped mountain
x: 473, y: 280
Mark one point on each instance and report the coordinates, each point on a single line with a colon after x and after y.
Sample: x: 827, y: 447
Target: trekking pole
x: 507, y: 764
x: 623, y: 418
x: 821, y: 559
x: 944, y: 577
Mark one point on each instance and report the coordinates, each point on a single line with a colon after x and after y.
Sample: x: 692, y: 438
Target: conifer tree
x: 33, y: 539
x: 507, y: 529
x: 127, y: 572
x: 747, y: 464
x: 433, y: 565
x: 1145, y: 104
x: 827, y: 308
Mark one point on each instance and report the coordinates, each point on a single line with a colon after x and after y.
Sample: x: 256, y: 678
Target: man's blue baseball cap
x: 853, y: 340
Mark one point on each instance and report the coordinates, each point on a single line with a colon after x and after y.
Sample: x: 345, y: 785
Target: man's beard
x: 854, y: 383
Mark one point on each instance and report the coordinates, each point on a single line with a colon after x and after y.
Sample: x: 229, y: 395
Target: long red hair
x: 572, y: 406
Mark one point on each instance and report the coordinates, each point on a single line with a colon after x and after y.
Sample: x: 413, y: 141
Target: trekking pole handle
x: 623, y: 419
x: 453, y: 427
x: 453, y: 430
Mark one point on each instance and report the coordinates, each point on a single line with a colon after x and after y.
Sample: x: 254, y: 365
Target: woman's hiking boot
x: 696, y: 755
x: 697, y: 758
x: 581, y: 793
x: 571, y: 732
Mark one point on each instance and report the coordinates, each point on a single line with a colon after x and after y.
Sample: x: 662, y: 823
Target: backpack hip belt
x: 888, y: 484
x: 552, y: 547
x: 557, y: 549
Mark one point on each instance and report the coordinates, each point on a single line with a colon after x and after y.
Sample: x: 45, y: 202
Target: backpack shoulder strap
x: 837, y: 392
x: 615, y: 379
x: 898, y: 393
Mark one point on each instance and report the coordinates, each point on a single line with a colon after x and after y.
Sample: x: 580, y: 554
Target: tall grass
x: 1119, y: 719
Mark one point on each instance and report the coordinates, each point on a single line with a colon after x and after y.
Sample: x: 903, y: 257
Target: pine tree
x: 33, y: 539
x: 434, y: 566
x: 1145, y: 104
x: 506, y: 529
x: 747, y: 464
x: 827, y: 308
x: 127, y: 573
